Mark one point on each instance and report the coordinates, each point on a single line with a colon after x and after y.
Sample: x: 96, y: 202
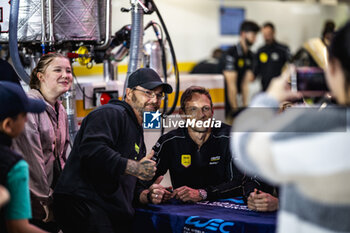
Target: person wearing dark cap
x: 237, y: 66
x: 14, y: 174
x: 96, y: 188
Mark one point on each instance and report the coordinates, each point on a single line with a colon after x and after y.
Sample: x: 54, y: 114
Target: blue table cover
x: 227, y: 215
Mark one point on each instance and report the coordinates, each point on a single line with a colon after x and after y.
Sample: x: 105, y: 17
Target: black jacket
x: 95, y: 169
x: 210, y: 168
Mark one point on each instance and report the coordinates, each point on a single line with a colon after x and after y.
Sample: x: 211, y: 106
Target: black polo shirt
x: 236, y: 60
x: 209, y: 167
x: 270, y: 61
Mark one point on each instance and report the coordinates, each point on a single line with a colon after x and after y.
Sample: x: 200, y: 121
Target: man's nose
x: 200, y: 113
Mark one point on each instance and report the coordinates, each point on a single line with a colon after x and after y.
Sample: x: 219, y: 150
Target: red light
x: 104, y: 99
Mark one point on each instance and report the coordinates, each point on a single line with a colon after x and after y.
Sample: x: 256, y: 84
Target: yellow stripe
x: 84, y: 71
x: 81, y: 112
x: 97, y: 69
x: 186, y: 66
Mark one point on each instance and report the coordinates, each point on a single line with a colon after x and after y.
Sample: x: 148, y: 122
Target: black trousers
x: 76, y: 215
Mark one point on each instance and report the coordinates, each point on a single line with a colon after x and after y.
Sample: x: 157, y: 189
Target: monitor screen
x: 230, y: 20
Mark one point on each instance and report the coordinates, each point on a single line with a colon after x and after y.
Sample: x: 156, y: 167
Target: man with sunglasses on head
x: 198, y: 157
x: 96, y: 188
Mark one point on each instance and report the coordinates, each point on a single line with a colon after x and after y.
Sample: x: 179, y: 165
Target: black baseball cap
x: 149, y: 79
x: 14, y: 101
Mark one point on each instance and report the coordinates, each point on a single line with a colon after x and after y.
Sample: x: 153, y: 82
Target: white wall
x: 194, y: 24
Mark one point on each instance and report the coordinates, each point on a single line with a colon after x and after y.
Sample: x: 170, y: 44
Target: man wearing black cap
x: 14, y: 172
x: 96, y: 188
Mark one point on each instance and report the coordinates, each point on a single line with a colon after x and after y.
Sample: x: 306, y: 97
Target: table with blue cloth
x: 226, y: 215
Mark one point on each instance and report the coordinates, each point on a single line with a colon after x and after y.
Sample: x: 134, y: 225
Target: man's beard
x: 269, y: 41
x: 248, y: 43
x: 140, y: 108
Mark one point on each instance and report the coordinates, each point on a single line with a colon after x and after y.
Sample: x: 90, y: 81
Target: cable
x: 160, y: 29
x: 13, y: 42
x: 176, y: 70
x: 164, y: 61
x: 80, y: 88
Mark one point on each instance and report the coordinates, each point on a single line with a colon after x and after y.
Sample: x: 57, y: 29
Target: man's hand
x: 144, y: 169
x: 250, y: 201
x: 156, y: 193
x: 249, y: 76
x: 262, y: 201
x: 280, y: 89
x: 185, y: 193
x: 4, y: 195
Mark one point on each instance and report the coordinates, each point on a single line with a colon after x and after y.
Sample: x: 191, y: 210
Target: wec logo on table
x: 213, y: 225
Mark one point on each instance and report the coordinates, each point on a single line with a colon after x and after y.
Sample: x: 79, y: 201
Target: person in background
x: 312, y: 52
x: 237, y: 66
x: 96, y: 188
x: 45, y: 139
x: 14, y: 175
x: 308, y: 152
x: 198, y: 158
x: 209, y: 66
x: 271, y: 57
x: 328, y: 32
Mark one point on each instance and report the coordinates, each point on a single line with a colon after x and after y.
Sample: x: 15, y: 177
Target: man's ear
x: 128, y: 93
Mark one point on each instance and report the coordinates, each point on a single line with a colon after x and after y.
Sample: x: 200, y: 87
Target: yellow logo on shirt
x: 263, y: 57
x: 137, y: 148
x: 240, y: 62
x: 186, y: 160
